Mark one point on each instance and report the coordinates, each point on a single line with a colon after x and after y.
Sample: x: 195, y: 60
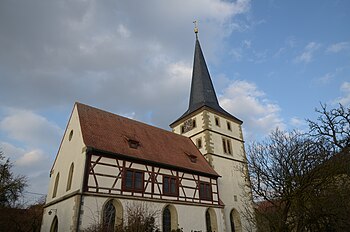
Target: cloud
x: 32, y: 163
x: 30, y: 128
x: 308, y: 53
x: 338, y: 47
x: 96, y: 51
x: 31, y: 158
x: 297, y: 122
x: 345, y: 98
x: 244, y: 100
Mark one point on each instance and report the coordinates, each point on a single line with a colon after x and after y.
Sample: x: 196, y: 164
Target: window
x: 226, y: 145
x: 182, y: 129
x: 70, y: 135
x: 199, y: 142
x: 170, y: 185
x: 108, y: 219
x: 208, y: 221
x: 192, y: 158
x: 54, y: 225
x: 229, y: 126
x: 169, y: 219
x: 133, y: 143
x: 133, y: 180
x: 166, y: 220
x: 235, y: 221
x: 56, y: 185
x: 205, y: 191
x: 70, y: 177
x: 217, y: 121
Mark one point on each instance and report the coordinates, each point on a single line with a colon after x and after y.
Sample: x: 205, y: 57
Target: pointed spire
x: 202, y: 89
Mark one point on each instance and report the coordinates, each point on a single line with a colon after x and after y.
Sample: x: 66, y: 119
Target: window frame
x: 169, y: 193
x: 199, y: 143
x: 208, y: 196
x: 227, y: 146
x: 217, y: 121
x: 229, y: 126
x: 133, y: 183
x: 56, y: 184
x: 70, y: 177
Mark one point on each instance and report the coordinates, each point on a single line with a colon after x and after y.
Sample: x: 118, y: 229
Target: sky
x: 272, y: 63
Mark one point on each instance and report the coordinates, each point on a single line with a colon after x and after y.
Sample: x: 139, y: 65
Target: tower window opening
x: 182, y: 129
x: 199, y: 143
x: 229, y: 126
x: 217, y: 121
x: 194, y: 123
x: 226, y: 145
x: 228, y: 142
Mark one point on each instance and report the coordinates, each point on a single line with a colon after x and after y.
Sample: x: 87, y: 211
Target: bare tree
x: 282, y: 171
x: 301, y: 181
x: 332, y: 127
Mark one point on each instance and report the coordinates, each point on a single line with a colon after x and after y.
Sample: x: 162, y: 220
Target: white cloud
x: 32, y: 163
x: 297, y: 122
x: 30, y: 128
x: 327, y: 78
x: 307, y: 55
x: 245, y: 100
x: 345, y: 99
x: 123, y: 31
x: 31, y: 158
x: 338, y: 47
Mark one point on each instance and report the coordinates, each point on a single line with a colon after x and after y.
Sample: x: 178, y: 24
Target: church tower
x: 218, y: 135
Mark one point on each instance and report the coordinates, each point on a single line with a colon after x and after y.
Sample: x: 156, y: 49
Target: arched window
x: 235, y: 221
x: 210, y: 220
x: 232, y: 224
x: 169, y: 218
x: 56, y: 185
x: 166, y: 220
x: 112, y: 215
x: 109, y: 213
x: 54, y: 225
x: 70, y: 177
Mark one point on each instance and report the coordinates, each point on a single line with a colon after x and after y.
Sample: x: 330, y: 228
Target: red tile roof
x: 108, y: 132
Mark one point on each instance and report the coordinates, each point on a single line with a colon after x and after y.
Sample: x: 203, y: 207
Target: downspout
x: 87, y: 162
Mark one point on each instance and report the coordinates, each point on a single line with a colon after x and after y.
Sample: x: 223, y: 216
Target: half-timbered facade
x: 192, y: 176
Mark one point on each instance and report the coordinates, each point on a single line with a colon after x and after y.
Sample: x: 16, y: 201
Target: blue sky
x: 272, y: 63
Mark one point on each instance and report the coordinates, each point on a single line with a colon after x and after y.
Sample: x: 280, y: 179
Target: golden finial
x: 196, y: 28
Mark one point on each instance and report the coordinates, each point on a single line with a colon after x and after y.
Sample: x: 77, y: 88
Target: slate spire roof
x: 202, y: 89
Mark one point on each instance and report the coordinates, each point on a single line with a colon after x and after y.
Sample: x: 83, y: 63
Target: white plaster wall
x: 64, y: 211
x: 69, y: 151
x: 190, y: 217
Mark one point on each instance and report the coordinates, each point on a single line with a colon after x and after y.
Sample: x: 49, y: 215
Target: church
x: 195, y: 177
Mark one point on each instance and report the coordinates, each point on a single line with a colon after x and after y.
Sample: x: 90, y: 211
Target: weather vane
x: 196, y: 28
